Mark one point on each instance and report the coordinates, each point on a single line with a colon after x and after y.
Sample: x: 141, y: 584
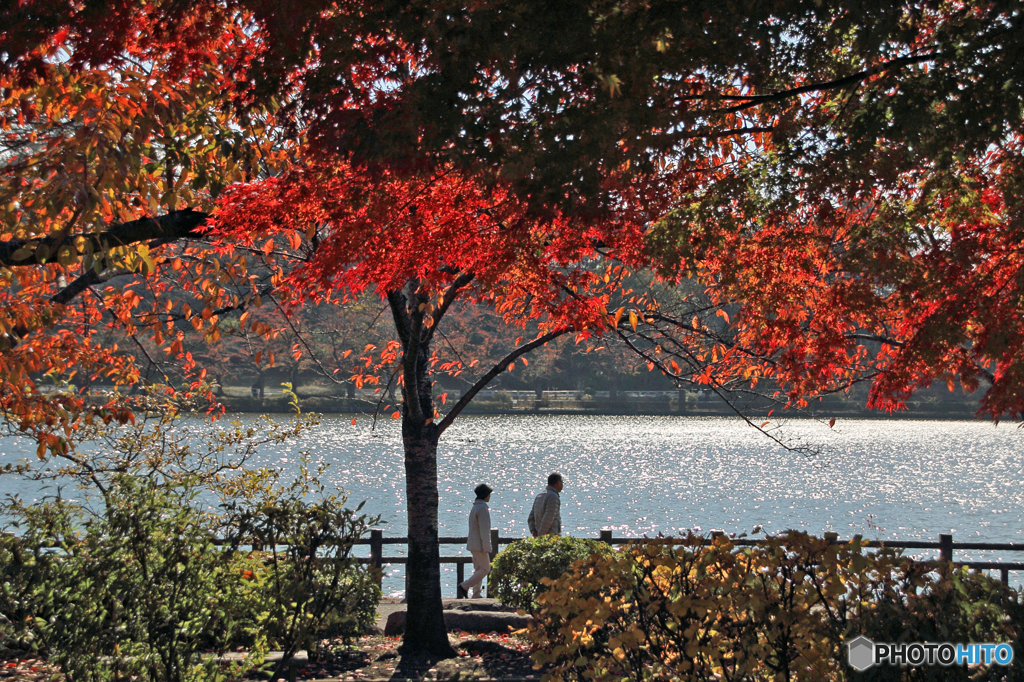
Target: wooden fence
x: 945, y: 545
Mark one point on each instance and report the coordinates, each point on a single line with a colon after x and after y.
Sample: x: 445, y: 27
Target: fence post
x: 831, y: 538
x: 1004, y: 575
x: 606, y: 537
x: 377, y: 554
x: 945, y: 547
x: 460, y: 575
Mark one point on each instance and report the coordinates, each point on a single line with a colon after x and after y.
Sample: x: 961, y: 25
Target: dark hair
x: 554, y: 478
x: 482, y: 491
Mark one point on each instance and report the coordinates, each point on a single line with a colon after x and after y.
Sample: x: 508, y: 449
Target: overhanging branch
x: 170, y: 227
x: 468, y: 396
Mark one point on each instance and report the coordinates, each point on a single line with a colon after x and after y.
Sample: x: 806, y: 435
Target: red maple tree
x: 760, y: 153
x: 423, y: 243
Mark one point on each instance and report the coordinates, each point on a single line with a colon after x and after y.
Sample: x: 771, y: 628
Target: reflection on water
x: 891, y: 479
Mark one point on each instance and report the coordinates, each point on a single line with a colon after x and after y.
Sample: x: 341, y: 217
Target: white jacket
x: 479, y: 528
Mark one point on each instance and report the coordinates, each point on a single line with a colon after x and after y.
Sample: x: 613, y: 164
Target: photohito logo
x: 862, y: 653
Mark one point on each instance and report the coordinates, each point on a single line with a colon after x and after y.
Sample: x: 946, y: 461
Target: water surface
x: 644, y: 475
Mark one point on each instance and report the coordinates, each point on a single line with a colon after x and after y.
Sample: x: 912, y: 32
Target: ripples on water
x: 883, y: 479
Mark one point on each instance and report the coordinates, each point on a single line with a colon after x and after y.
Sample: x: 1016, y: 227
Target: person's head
x: 555, y: 481
x: 483, y: 492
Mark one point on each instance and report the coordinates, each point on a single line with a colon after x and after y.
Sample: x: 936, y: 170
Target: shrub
x: 312, y: 584
x: 518, y: 571
x: 130, y: 584
x: 783, y: 609
x: 135, y: 590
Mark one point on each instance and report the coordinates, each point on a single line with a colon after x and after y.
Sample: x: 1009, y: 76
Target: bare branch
x: 468, y: 396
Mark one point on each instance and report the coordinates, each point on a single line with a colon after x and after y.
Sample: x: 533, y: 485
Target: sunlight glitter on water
x: 883, y: 479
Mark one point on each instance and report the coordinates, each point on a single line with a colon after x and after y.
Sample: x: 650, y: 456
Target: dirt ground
x: 490, y: 656
x: 481, y: 657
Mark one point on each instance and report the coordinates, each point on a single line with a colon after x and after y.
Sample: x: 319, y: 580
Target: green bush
x: 130, y: 584
x: 140, y: 589
x: 783, y: 609
x: 137, y: 590
x: 519, y: 569
x: 313, y: 584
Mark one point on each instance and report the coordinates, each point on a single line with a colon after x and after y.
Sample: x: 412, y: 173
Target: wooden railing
x: 945, y: 545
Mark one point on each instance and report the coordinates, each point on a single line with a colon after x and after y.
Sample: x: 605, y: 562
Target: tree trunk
x: 425, y: 631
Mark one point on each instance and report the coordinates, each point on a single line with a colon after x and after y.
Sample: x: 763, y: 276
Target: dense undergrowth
x: 781, y: 610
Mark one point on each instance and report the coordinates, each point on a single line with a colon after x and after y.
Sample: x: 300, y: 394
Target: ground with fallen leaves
x: 481, y: 657
x: 485, y: 656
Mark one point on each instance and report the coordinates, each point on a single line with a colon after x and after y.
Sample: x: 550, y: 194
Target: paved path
x: 386, y: 607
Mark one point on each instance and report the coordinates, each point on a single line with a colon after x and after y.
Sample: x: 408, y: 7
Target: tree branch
x: 755, y: 100
x: 449, y: 297
x: 468, y: 396
x: 403, y: 325
x: 170, y: 227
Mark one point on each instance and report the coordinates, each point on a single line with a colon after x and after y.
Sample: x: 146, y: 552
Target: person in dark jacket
x: 546, y: 515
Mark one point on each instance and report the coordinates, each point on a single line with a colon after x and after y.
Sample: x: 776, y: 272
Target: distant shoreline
x: 280, y: 404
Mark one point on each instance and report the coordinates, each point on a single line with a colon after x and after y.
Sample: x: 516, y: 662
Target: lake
x: 883, y: 479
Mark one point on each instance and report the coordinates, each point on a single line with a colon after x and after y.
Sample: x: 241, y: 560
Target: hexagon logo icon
x: 860, y: 653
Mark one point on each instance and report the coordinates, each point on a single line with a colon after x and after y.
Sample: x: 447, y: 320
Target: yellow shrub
x: 782, y: 610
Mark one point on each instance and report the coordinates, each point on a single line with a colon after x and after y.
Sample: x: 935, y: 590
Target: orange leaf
x: 831, y: 422
x: 396, y: 415
x: 765, y: 424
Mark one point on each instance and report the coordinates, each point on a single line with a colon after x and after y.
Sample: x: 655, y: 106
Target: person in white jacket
x: 479, y: 544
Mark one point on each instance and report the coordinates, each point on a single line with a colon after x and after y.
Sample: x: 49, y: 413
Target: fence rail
x: 945, y: 545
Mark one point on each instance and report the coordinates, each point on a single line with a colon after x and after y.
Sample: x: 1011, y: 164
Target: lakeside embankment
x: 609, y: 403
